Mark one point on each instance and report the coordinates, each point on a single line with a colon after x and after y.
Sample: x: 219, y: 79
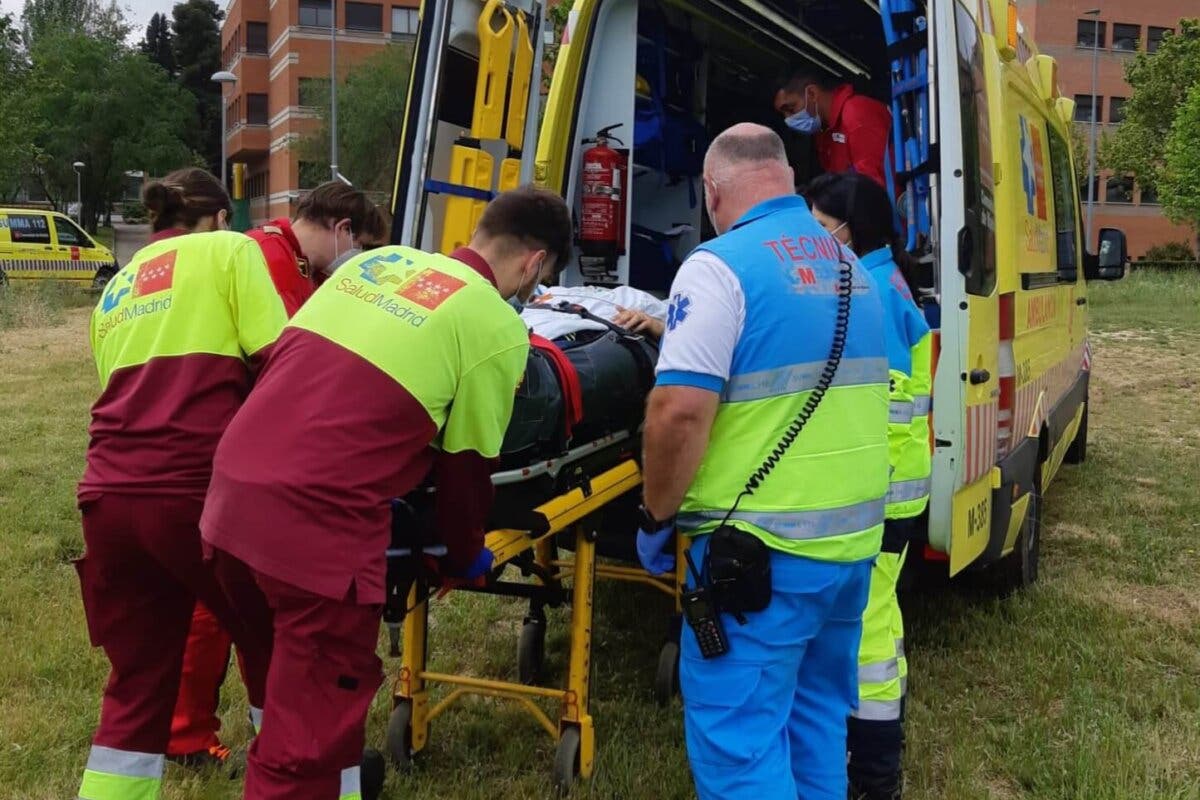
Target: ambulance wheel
x: 1077, y: 452
x: 666, y: 678
x: 102, y: 278
x: 1020, y: 567
x: 399, y: 735
x: 531, y: 652
x: 566, y: 760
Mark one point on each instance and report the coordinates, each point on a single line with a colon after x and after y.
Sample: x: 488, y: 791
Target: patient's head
x: 745, y: 165
x: 524, y: 234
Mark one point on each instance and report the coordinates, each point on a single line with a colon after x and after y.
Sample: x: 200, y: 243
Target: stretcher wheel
x: 399, y: 735
x: 666, y: 678
x: 531, y: 652
x: 566, y: 760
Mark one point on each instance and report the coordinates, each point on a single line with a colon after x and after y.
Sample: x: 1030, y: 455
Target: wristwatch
x: 650, y: 524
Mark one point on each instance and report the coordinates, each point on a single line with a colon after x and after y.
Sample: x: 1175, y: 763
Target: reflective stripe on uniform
x: 903, y: 491
x: 351, y: 784
x: 900, y: 412
x: 256, y: 717
x: 900, y: 648
x: 796, y: 378
x: 879, y: 672
x: 922, y: 403
x: 113, y: 774
x: 800, y: 524
x: 877, y: 710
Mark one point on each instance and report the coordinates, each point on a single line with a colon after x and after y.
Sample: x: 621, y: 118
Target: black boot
x: 875, y: 749
x: 372, y: 772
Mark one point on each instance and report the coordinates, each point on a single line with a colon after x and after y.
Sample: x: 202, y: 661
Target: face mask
x: 522, y: 296
x: 320, y: 276
x: 804, y: 122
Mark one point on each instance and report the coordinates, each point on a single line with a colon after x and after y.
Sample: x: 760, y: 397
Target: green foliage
x: 43, y: 18
x: 14, y: 139
x: 134, y: 213
x: 1161, y: 82
x: 1179, y: 180
x: 158, y: 44
x: 371, y: 105
x: 1171, y: 251
x: 196, y: 54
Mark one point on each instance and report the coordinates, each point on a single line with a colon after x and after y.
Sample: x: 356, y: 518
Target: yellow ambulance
x: 990, y: 176
x: 47, y: 245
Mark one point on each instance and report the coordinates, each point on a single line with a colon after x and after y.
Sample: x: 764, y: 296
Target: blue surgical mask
x: 804, y: 122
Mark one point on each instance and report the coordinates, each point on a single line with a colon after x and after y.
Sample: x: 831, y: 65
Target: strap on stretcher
x: 458, y: 190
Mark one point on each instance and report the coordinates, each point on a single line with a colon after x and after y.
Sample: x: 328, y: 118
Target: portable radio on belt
x: 737, y: 566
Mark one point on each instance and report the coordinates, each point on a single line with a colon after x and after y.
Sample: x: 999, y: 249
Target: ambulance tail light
x: 1008, y: 377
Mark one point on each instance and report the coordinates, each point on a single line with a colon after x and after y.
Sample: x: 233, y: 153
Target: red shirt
x: 304, y: 476
x: 857, y: 135
x: 286, y: 262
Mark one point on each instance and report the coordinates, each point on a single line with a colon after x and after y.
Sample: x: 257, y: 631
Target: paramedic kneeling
x: 405, y: 362
x: 753, y: 321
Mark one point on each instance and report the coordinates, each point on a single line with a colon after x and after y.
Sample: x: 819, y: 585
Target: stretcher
x: 579, y: 498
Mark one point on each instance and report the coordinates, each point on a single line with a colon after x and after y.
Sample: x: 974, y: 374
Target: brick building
x: 1064, y: 30
x: 279, y: 50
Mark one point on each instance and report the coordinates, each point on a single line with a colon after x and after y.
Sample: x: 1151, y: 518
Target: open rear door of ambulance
x: 470, y: 127
x: 966, y: 385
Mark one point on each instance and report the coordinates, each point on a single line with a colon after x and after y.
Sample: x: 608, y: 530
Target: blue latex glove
x: 650, y: 546
x: 481, y: 566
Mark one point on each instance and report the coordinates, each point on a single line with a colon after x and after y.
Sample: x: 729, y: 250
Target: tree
x: 196, y: 48
x: 1161, y: 82
x: 371, y: 106
x: 158, y: 43
x: 14, y: 142
x: 1179, y: 178
x: 88, y: 17
x: 96, y: 101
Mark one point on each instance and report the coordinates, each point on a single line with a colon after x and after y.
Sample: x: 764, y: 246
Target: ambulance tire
x: 399, y: 736
x: 1019, y: 569
x: 102, y: 278
x: 666, y: 677
x: 1077, y: 452
x: 566, y: 760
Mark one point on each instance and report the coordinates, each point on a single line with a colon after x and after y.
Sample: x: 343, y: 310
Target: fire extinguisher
x: 602, y: 212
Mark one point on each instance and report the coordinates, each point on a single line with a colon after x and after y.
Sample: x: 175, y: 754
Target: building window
x: 404, y: 22
x: 1084, y: 110
x: 1097, y: 190
x: 316, y: 14
x: 364, y: 17
x: 256, y: 109
x: 312, y: 174
x: 1120, y: 190
x: 1126, y: 37
x: 256, y: 37
x: 313, y: 92
x: 256, y: 185
x: 1149, y: 194
x: 1090, y: 33
x: 233, y: 114
x: 1116, y: 110
x: 1155, y: 36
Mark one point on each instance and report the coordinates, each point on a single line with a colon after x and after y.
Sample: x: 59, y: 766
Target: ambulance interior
x: 705, y: 65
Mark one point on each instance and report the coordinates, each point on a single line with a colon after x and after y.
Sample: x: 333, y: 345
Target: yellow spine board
x: 495, y: 52
x: 469, y: 166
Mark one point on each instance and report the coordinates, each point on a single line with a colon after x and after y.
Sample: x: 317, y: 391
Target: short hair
x: 183, y: 198
x: 536, y: 218
x: 333, y: 201
x: 751, y: 147
x: 800, y: 79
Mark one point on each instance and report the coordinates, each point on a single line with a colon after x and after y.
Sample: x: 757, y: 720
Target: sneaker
x: 214, y: 756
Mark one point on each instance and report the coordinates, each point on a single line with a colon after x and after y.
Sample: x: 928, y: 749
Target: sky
x: 138, y: 12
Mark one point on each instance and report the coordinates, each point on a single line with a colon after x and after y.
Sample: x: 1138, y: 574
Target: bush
x: 134, y: 213
x: 1170, y: 251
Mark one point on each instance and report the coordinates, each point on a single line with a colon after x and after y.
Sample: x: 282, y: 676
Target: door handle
x: 1081, y: 301
x: 979, y: 376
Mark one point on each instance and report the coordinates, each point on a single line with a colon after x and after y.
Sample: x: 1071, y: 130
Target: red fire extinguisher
x: 602, y: 212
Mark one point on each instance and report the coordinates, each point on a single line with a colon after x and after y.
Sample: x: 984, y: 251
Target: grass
x: 1085, y: 687
x: 40, y: 304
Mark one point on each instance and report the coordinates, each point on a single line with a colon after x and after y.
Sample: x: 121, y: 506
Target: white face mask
x: 522, y: 296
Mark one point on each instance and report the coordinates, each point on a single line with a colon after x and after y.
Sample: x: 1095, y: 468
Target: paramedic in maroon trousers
x: 298, y: 513
x: 851, y: 130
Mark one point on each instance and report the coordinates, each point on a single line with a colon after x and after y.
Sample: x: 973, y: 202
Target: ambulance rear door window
x: 978, y: 260
x: 29, y: 228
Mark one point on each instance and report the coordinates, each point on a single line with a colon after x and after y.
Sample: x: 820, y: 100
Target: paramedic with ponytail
x: 857, y: 212
x: 766, y: 444
x: 408, y: 363
x: 178, y: 336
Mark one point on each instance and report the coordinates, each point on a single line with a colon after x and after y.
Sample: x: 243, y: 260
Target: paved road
x: 128, y: 239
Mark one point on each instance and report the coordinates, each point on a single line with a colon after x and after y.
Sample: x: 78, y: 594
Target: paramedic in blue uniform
x: 752, y: 320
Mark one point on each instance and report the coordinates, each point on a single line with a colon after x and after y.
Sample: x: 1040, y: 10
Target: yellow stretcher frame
x: 413, y: 708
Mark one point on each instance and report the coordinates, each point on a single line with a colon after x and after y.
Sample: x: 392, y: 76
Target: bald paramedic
x: 407, y: 363
x: 782, y: 535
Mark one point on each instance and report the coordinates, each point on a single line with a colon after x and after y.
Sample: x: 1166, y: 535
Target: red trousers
x: 323, y: 675
x: 195, y: 723
x: 141, y: 576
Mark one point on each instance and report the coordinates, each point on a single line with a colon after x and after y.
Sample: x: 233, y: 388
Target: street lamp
x: 223, y: 77
x: 78, y: 167
x: 333, y: 165
x: 1095, y: 15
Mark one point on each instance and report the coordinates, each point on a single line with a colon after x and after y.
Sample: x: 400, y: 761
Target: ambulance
x: 636, y: 89
x: 47, y: 245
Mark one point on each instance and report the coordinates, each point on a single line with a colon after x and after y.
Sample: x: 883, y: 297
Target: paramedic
x: 856, y: 211
x: 331, y: 219
x: 851, y: 129
x: 752, y: 319
x: 177, y: 335
x: 419, y: 359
